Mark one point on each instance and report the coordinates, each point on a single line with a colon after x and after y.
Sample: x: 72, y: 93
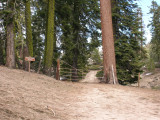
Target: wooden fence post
x: 70, y: 74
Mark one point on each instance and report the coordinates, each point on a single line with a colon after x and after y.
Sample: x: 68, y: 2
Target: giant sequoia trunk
x: 108, y: 42
x: 49, y: 37
x: 28, y: 27
x: 10, y: 51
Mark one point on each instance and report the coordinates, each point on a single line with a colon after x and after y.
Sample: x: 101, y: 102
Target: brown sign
x: 29, y: 59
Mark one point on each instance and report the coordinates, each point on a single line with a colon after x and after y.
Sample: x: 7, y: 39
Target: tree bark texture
x: 10, y: 51
x: 109, y: 61
x: 1, y: 52
x: 24, y: 54
x: 49, y: 37
x: 29, y: 38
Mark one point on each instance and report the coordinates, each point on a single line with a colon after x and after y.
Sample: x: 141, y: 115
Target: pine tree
x: 155, y: 30
x: 96, y: 57
x: 48, y: 56
x: 128, y: 34
x: 39, y: 29
x: 1, y: 50
x: 77, y: 20
x: 10, y: 50
x: 20, y: 41
x: 12, y: 13
x: 29, y: 38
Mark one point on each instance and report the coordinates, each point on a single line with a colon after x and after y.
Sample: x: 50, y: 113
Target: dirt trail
x: 29, y: 96
x: 91, y: 77
x: 115, y: 104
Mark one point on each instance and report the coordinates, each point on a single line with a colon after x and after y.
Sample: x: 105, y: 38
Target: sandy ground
x: 91, y: 77
x: 30, y: 96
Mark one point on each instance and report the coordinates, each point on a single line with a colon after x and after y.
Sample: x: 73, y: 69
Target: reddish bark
x: 108, y: 42
x: 10, y: 58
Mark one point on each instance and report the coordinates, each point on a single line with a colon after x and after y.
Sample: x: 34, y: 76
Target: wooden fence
x: 70, y: 73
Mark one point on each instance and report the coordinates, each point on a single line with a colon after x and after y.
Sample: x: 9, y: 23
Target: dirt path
x: 115, y: 104
x: 91, y: 77
x: 29, y: 96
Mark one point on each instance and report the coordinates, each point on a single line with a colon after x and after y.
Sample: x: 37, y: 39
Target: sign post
x: 29, y: 59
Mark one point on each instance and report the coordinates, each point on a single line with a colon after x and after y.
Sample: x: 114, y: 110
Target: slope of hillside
x: 151, y: 79
x: 30, y: 96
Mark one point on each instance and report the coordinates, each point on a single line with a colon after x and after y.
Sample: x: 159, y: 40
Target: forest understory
x: 31, y: 96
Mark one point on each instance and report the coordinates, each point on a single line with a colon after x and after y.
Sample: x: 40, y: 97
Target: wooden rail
x: 70, y: 73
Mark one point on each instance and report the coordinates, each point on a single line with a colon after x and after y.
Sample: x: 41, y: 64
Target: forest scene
x: 79, y: 60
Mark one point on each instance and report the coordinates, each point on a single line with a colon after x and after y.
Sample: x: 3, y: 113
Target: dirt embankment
x: 150, y: 80
x: 30, y: 96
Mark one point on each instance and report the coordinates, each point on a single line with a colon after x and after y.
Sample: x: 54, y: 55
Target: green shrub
x: 150, y: 65
x: 94, y: 67
x: 99, y: 73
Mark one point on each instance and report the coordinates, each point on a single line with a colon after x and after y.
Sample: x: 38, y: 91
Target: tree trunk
x: 10, y: 58
x: 75, y: 62
x: 49, y: 37
x: 18, y: 62
x: 55, y: 55
x: 39, y: 66
x: 28, y: 27
x: 109, y: 62
x: 25, y: 53
x: 1, y: 52
x: 75, y: 50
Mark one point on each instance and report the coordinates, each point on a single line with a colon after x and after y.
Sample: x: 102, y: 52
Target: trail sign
x: 29, y: 59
